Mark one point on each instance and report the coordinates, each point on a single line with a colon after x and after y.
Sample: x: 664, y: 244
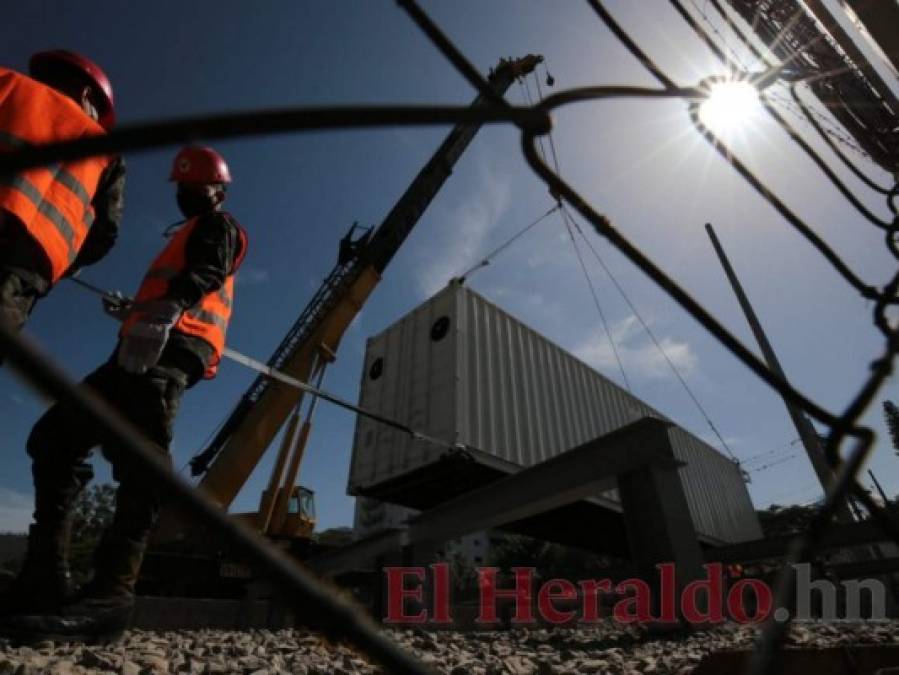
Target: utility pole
x: 806, y: 431
x: 883, y: 495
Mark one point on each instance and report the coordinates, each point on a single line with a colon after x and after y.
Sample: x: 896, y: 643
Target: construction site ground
x: 599, y: 648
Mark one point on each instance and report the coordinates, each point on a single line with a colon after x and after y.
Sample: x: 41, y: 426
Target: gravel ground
x: 598, y: 649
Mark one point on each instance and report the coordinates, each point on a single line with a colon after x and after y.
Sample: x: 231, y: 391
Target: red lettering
x: 637, y: 607
x: 521, y: 593
x: 590, y: 588
x: 668, y: 591
x: 548, y: 593
x: 736, y: 606
x: 712, y: 586
x: 397, y: 594
x: 440, y: 579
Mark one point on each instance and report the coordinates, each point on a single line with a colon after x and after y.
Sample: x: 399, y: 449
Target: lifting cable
x: 270, y: 372
x: 273, y: 374
x: 568, y: 227
x: 602, y: 316
x: 652, y: 337
x: 502, y: 247
x: 552, y: 143
x: 570, y: 223
x: 526, y: 91
x: 461, y: 278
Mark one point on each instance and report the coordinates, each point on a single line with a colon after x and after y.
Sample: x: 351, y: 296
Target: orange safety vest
x: 208, y: 318
x: 52, y: 202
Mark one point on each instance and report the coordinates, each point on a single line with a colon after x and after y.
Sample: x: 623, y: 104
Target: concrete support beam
x: 569, y: 477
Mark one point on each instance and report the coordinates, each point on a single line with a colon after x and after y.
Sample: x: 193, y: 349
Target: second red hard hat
x: 46, y: 62
x: 199, y: 164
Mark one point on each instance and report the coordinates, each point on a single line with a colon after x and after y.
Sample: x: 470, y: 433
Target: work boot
x: 44, y: 583
x: 103, y: 608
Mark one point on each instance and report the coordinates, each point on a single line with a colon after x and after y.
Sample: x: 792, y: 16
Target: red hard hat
x: 46, y: 62
x: 199, y: 164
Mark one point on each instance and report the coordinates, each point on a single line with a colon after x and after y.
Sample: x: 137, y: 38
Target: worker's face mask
x: 197, y: 201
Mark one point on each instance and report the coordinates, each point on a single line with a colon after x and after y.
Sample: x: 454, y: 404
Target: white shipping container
x: 461, y: 369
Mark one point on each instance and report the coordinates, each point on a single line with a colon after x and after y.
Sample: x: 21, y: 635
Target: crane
x: 286, y: 510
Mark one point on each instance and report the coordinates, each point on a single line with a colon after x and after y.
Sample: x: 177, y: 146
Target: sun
x: 732, y: 105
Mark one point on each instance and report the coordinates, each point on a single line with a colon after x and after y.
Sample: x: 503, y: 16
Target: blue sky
x: 640, y: 163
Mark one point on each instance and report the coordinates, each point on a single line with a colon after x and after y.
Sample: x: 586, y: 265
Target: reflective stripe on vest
x: 62, y: 175
x: 208, y: 319
x: 48, y: 210
x: 53, y: 203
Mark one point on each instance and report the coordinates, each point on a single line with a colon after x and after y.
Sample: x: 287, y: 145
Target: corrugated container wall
x: 461, y: 369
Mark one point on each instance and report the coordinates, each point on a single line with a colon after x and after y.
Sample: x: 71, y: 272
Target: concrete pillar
x: 659, y: 526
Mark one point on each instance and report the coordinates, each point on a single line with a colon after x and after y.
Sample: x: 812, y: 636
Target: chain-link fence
x: 326, y: 610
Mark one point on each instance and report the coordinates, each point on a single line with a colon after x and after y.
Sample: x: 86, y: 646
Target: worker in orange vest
x: 171, y: 337
x: 54, y: 219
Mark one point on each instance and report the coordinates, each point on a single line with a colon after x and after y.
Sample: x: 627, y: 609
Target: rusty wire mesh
x: 334, y: 616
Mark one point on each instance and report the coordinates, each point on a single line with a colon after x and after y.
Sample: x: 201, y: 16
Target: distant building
x: 373, y: 516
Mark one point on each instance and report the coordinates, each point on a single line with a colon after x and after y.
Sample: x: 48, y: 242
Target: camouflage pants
x: 62, y: 441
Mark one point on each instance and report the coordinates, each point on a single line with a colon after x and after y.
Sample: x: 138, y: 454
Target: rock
x: 519, y: 665
x: 250, y: 664
x: 8, y: 666
x: 216, y: 666
x: 150, y: 664
x: 92, y: 658
x: 545, y: 651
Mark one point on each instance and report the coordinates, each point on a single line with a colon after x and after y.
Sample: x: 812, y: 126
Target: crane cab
x: 300, y: 520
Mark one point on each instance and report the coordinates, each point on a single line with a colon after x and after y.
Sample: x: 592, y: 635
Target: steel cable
x: 602, y: 316
x: 655, y: 341
x: 486, y: 260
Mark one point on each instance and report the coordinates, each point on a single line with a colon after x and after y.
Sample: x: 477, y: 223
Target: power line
x: 776, y: 462
x: 773, y: 451
x: 652, y: 337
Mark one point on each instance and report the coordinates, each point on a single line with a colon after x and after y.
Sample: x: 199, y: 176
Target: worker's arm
x: 210, y: 253
x: 109, y: 204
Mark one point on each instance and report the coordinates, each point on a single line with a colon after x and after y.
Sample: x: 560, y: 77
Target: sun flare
x: 731, y: 106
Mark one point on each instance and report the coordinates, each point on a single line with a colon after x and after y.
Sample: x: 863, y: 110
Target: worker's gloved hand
x: 117, y: 305
x: 142, y: 344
